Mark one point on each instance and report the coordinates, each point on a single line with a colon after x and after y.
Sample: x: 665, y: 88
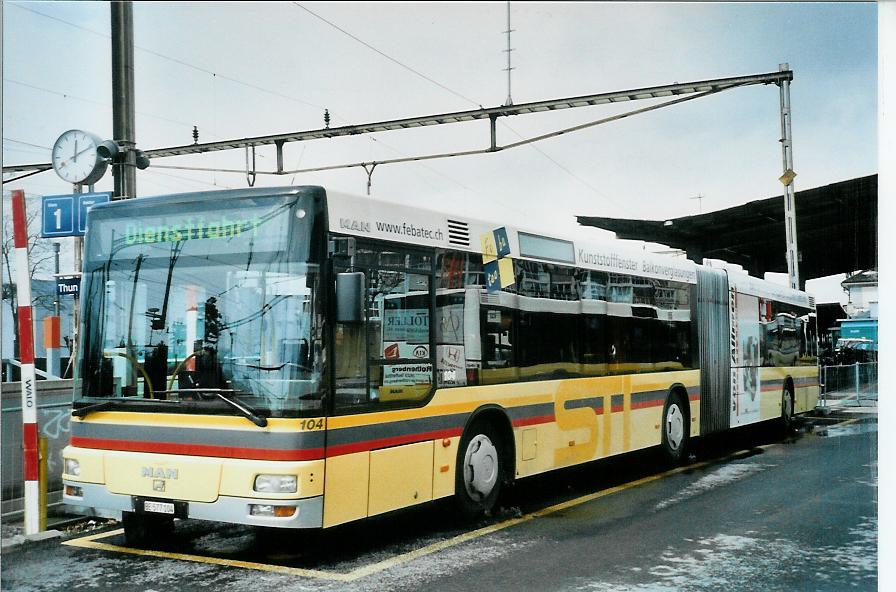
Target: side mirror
x: 350, y: 297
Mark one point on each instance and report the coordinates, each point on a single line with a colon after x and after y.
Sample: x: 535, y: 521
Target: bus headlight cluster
x: 273, y: 511
x: 72, y: 467
x: 276, y: 484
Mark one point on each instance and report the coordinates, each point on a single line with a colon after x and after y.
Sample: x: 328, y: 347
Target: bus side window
x: 498, y: 338
x: 399, y: 356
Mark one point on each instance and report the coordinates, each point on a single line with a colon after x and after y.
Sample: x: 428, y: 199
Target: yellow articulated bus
x: 293, y: 358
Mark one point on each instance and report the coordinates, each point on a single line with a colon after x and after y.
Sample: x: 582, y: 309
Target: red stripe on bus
x: 341, y: 449
x: 527, y: 421
x: 646, y: 404
x: 26, y: 336
x: 19, y: 226
x: 29, y: 441
x: 199, y: 449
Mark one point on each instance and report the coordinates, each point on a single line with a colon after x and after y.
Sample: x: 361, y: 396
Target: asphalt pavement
x: 751, y: 512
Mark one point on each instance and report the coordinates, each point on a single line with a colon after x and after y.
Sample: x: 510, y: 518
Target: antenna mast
x: 509, y: 49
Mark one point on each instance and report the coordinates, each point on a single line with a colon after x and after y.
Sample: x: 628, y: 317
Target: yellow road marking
x: 355, y: 574
x: 91, y: 543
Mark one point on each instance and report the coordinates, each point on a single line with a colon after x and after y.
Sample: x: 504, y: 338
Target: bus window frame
x: 350, y: 264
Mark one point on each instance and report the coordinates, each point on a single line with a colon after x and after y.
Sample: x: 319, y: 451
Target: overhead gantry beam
x: 492, y: 113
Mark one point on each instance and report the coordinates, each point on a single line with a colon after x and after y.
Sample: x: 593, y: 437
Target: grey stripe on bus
x: 649, y: 396
x: 596, y: 403
x: 253, y: 438
x: 395, y: 429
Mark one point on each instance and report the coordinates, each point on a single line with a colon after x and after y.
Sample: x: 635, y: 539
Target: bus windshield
x: 203, y: 301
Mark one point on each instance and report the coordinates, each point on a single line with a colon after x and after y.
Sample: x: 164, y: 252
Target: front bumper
x: 309, y: 511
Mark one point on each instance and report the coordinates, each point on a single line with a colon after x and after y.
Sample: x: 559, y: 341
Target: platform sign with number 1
x: 66, y: 215
x: 58, y: 216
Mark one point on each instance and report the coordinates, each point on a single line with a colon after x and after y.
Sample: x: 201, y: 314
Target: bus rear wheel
x: 675, y: 428
x: 480, y: 470
x: 787, y: 409
x: 141, y: 529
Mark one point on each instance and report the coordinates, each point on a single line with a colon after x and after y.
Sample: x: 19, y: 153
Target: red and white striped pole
x: 26, y: 353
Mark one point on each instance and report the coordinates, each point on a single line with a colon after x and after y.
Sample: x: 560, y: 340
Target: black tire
x: 676, y: 429
x: 480, y: 470
x: 787, y: 409
x: 143, y: 529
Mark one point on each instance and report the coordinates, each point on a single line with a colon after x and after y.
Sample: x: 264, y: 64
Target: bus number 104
x: 312, y: 424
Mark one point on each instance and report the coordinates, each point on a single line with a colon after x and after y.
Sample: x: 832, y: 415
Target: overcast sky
x: 241, y: 69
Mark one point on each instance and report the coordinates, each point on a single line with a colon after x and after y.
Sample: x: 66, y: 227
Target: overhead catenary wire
x: 175, y: 60
x: 26, y: 143
x: 387, y: 56
x: 368, y: 129
x: 468, y: 99
x: 215, y: 75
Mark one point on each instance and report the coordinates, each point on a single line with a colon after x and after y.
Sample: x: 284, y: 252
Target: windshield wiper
x: 247, y: 412
x: 244, y: 409
x: 104, y: 405
x: 91, y: 408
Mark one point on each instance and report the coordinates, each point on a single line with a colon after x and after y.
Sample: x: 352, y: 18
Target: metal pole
x: 76, y: 304
x: 56, y: 266
x: 793, y: 270
x: 124, y: 171
x: 509, y: 100
x: 26, y: 353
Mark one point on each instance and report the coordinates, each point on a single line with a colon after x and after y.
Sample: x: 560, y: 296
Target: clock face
x: 75, y: 158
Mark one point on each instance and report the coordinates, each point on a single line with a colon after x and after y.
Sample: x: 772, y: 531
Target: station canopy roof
x: 836, y: 231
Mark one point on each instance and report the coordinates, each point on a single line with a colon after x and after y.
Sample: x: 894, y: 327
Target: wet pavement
x: 754, y: 510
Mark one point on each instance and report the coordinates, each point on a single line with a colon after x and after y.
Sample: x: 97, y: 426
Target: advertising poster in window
x: 450, y: 327
x: 395, y: 350
x: 407, y: 374
x: 451, y: 365
x: 410, y: 325
x: 749, y: 332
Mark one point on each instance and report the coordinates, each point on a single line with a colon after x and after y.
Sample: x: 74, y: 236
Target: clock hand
x: 81, y: 152
x: 76, y: 151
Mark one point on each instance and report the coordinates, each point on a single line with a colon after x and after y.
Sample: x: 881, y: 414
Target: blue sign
x: 501, y: 242
x: 492, y: 276
x: 85, y: 202
x: 68, y: 286
x: 66, y: 215
x: 58, y: 216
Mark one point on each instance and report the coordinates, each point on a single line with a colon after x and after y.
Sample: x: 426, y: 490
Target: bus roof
x: 376, y: 218
x: 363, y: 216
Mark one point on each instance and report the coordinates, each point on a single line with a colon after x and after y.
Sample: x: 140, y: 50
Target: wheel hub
x: 480, y: 467
x: 674, y: 426
x: 788, y: 406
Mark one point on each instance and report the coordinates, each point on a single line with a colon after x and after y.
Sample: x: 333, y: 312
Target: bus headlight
x: 72, y: 467
x: 276, y: 484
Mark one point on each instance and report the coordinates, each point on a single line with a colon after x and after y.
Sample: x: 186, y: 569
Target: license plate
x: 158, y: 507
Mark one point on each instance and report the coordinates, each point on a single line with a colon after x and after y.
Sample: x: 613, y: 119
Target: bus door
x: 383, y: 366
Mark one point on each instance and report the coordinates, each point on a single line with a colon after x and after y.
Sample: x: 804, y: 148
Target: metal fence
x: 54, y: 405
x: 855, y: 384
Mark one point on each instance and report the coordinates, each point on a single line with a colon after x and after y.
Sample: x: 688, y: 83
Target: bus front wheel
x: 676, y: 429
x: 479, y: 469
